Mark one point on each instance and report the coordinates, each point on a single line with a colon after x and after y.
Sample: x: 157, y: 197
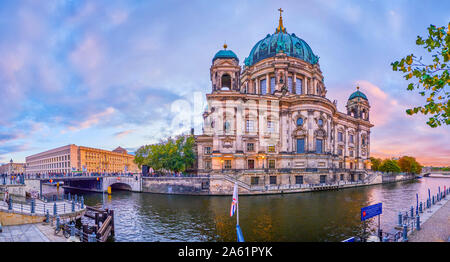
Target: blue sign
x: 371, y: 211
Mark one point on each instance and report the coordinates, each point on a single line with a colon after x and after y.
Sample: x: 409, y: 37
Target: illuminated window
x: 227, y: 164
x: 271, y: 163
x: 271, y: 148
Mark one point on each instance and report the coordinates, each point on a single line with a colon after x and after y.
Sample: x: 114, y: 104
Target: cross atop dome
x: 280, y: 27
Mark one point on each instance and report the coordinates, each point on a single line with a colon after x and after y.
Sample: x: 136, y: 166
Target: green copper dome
x: 358, y: 94
x: 281, y: 41
x: 225, y: 54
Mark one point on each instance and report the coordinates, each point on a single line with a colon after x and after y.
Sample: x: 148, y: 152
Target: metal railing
x: 41, y: 208
x: 409, y: 221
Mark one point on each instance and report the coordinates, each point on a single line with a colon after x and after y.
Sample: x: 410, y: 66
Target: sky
x: 110, y: 73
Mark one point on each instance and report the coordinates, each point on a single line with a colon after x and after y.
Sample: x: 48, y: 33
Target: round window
x: 299, y: 121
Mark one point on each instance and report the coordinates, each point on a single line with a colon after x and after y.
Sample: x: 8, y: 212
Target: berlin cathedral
x: 269, y: 122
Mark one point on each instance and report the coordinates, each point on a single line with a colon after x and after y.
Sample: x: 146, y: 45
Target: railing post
x: 405, y: 233
x: 92, y: 237
x: 418, y: 223
x: 400, y: 219
x: 32, y: 206
x: 47, y: 217
x: 82, y: 202
x: 73, y: 206
x: 420, y: 208
x: 412, y: 211
x: 10, y: 203
x: 55, y: 209
x: 57, y: 222
x: 72, y: 229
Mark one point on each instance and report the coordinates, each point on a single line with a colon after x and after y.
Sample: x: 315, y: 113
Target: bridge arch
x: 122, y: 183
x: 121, y: 186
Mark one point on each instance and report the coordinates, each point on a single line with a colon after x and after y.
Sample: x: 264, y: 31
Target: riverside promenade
x: 435, y: 224
x: 39, y: 232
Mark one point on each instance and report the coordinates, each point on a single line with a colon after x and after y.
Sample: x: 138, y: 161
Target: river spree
x: 316, y: 216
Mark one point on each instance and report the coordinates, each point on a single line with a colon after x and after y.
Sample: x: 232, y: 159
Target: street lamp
x: 263, y: 161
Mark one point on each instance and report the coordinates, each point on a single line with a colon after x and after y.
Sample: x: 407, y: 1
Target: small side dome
x: 225, y: 54
x: 358, y: 94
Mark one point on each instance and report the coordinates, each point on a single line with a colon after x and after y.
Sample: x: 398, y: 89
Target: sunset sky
x: 108, y: 73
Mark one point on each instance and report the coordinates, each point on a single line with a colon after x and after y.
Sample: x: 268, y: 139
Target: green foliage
x: 375, y: 163
x: 171, y: 155
x: 389, y: 165
x: 431, y: 80
x: 410, y: 165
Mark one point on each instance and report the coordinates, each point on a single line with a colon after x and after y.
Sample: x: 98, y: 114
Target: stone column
x: 294, y: 83
x: 305, y: 86
x: 267, y: 84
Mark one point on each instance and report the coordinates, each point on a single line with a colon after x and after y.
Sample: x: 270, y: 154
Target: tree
x: 410, y: 165
x: 389, y: 165
x: 171, y: 155
x: 375, y: 163
x: 432, y: 79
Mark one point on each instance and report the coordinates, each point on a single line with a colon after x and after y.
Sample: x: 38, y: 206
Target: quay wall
x: 176, y: 185
x: 15, y: 190
x: 223, y: 185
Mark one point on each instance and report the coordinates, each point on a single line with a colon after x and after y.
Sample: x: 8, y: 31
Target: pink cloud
x: 93, y: 120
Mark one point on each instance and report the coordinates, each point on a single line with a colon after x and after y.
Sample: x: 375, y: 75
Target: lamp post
x: 263, y: 162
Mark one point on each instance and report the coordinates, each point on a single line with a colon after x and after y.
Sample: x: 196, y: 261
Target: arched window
x: 320, y: 122
x: 298, y: 86
x: 226, y: 81
x: 263, y: 87
x: 272, y: 85
x: 299, y: 121
x: 226, y: 126
x: 290, y: 85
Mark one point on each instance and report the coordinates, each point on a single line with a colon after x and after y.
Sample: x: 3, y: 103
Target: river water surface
x: 316, y: 216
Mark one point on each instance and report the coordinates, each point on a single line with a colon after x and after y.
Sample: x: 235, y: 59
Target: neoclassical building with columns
x: 269, y: 122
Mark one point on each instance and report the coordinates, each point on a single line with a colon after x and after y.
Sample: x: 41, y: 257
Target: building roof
x: 278, y: 42
x: 120, y: 150
x: 358, y: 94
x: 225, y: 54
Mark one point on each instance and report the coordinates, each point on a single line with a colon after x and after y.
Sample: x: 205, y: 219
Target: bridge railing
x: 66, y: 175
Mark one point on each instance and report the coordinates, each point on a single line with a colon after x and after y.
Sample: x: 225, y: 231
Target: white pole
x: 237, y: 205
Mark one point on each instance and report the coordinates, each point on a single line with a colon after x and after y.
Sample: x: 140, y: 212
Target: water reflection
x: 318, y: 216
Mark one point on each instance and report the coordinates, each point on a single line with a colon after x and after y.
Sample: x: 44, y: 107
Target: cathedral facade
x: 270, y: 122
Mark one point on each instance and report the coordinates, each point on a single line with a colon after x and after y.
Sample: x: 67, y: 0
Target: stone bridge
x: 86, y: 183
